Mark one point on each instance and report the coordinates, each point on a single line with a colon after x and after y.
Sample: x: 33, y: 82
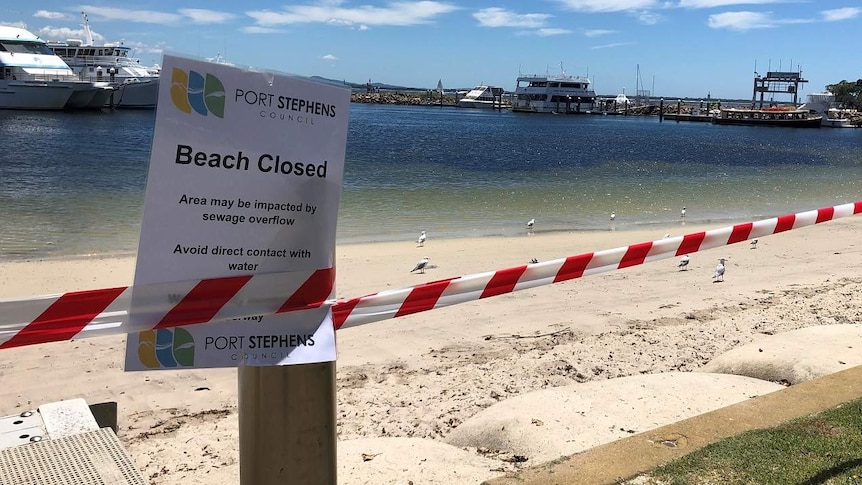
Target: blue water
x: 73, y: 183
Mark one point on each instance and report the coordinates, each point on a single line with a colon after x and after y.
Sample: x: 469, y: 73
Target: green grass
x: 821, y: 449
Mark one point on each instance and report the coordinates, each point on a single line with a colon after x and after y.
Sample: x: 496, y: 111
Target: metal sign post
x: 287, y: 424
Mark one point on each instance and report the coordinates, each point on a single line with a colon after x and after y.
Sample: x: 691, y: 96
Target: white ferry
x: 32, y: 77
x: 553, y: 94
x: 136, y: 86
x: 482, y: 97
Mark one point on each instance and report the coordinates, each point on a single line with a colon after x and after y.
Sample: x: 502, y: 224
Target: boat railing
x: 103, y: 61
x: 43, y: 77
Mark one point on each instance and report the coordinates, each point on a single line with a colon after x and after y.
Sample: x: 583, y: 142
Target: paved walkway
x: 628, y: 457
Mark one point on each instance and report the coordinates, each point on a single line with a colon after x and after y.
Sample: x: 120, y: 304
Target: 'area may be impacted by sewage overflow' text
x: 221, y: 211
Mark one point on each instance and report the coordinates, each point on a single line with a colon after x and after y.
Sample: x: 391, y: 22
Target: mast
x: 88, y: 34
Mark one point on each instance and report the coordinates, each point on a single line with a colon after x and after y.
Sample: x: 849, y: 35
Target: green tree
x: 848, y: 93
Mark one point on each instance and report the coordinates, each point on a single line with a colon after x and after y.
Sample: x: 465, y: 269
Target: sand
x: 405, y: 385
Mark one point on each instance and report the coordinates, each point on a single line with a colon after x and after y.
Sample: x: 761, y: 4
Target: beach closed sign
x: 238, y: 231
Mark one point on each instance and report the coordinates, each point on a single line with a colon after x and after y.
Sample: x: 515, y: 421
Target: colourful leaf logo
x: 205, y: 94
x: 180, y: 89
x: 166, y: 347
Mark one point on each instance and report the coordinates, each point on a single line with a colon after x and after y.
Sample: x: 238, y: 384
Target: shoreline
x: 117, y: 269
x: 514, y: 231
x: 423, y: 375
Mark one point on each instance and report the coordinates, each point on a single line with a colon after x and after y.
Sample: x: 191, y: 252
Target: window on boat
x: 24, y: 47
x: 538, y: 84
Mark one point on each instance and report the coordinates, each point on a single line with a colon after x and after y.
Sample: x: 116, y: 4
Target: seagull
x: 613, y: 216
x: 420, y: 266
x: 753, y: 243
x: 682, y: 212
x: 683, y: 263
x: 421, y: 241
x: 666, y: 236
x: 530, y: 223
x: 719, y: 271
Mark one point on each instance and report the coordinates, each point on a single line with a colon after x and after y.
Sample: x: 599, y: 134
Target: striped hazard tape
x: 438, y: 294
x: 106, y: 311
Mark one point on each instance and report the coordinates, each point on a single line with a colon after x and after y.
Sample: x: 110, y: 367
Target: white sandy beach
x: 405, y: 385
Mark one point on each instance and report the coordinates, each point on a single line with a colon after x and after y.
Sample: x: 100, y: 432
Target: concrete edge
x: 628, y: 457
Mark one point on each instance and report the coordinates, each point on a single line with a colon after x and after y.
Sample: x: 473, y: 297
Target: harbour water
x: 72, y: 184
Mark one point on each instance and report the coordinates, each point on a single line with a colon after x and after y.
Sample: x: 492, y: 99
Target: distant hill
x: 363, y: 86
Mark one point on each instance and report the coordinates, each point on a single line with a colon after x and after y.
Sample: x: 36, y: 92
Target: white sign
x: 244, y: 180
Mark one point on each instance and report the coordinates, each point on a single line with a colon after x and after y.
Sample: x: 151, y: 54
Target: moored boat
x: 833, y: 116
x: 482, y: 97
x: 553, y: 94
x: 842, y: 118
x: 773, y: 116
x: 136, y: 86
x: 32, y: 77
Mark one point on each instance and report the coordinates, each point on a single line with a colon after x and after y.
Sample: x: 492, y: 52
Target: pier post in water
x: 661, y: 110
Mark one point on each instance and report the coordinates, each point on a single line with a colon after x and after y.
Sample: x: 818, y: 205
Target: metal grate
x: 91, y: 458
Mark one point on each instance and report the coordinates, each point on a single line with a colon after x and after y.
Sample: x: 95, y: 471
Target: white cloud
x: 45, y: 14
x: 329, y: 57
x: 599, y: 32
x: 499, y: 17
x: 203, y: 16
x: 608, y: 5
x: 20, y: 25
x: 63, y: 33
x: 396, y: 13
x: 547, y: 32
x: 750, y: 20
x: 741, y: 21
x: 648, y: 18
x: 721, y: 3
x: 840, y: 14
x: 610, y: 46
x: 255, y: 29
x: 145, y: 48
x: 142, y: 16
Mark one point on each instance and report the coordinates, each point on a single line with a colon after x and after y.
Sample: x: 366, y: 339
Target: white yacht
x: 482, y: 97
x: 136, y: 86
x: 824, y: 104
x: 32, y: 77
x: 553, y: 94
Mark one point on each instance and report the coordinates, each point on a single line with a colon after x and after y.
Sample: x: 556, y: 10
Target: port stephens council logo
x: 166, y: 347
x: 203, y: 93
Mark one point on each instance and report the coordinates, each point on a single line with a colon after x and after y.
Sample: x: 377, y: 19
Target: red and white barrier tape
x: 103, y: 312
x: 438, y: 294
x: 95, y: 313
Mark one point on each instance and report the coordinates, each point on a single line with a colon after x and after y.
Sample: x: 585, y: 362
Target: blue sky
x: 682, y: 47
